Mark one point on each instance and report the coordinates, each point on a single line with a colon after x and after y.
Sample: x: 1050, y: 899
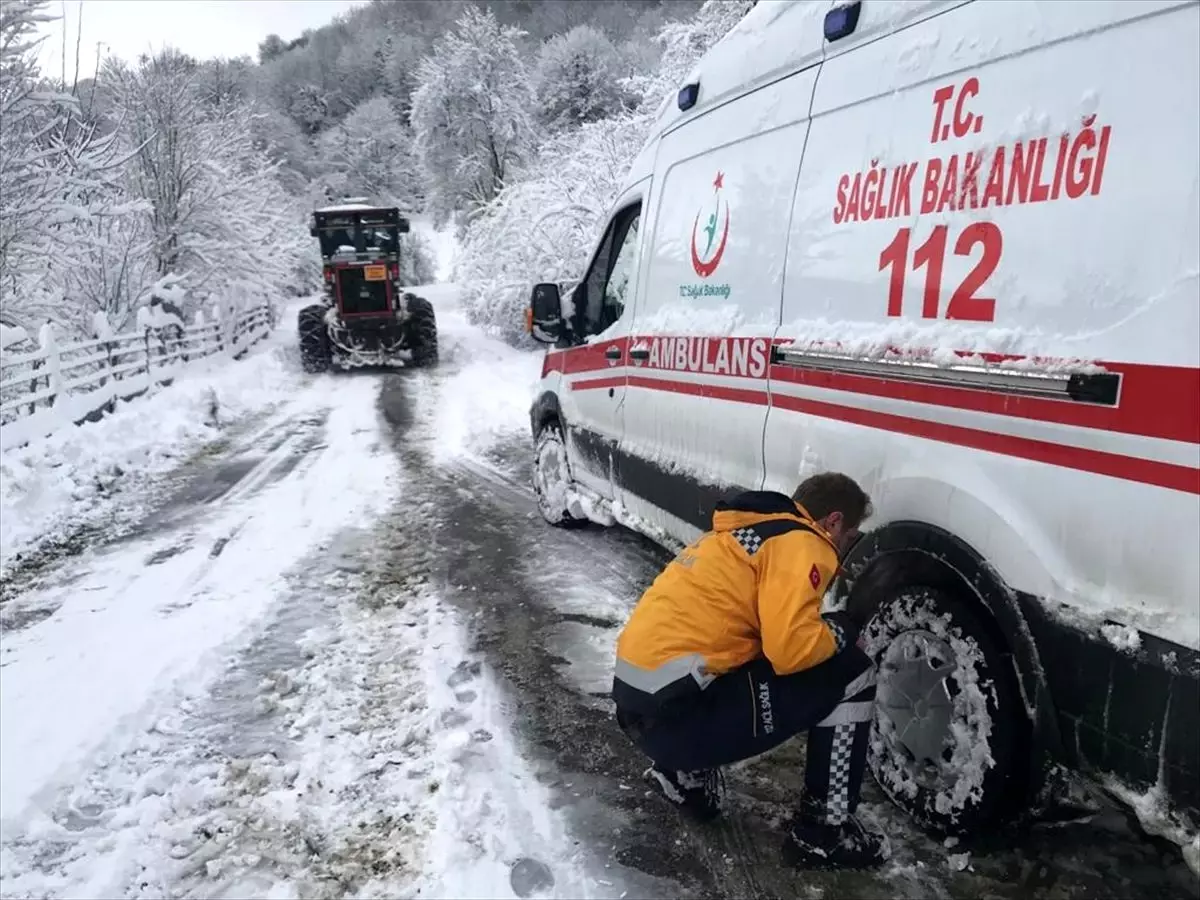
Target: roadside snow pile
x: 73, y: 478
x: 1155, y: 817
x: 11, y: 335
x: 487, y: 394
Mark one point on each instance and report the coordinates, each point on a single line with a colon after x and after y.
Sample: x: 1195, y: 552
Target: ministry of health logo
x: 708, y: 239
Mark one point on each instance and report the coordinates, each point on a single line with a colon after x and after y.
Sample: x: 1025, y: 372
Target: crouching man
x: 727, y: 655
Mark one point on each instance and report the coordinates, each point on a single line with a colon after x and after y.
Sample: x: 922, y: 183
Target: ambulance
x: 953, y: 250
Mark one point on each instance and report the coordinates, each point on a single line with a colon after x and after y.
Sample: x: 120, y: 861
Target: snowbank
x: 1155, y: 817
x: 490, y: 388
x: 442, y: 246
x: 74, y: 476
x: 10, y: 335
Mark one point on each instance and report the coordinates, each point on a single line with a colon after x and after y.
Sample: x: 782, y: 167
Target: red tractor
x: 365, y: 318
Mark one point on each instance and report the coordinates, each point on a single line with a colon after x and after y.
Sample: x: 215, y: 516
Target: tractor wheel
x: 315, y: 352
x: 422, y: 332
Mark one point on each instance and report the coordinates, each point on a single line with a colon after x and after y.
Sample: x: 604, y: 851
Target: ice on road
x: 264, y: 695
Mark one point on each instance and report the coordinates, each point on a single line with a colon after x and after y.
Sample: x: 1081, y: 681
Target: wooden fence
x: 59, y: 384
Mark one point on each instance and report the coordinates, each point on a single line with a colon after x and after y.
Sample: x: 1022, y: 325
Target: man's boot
x: 698, y: 794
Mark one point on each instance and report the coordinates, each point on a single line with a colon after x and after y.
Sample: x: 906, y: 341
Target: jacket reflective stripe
x: 651, y: 681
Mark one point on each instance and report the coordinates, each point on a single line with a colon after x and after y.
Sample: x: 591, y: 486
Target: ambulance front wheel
x: 552, y: 478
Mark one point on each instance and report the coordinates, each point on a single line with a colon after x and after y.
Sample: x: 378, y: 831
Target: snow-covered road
x: 334, y: 652
x: 262, y: 694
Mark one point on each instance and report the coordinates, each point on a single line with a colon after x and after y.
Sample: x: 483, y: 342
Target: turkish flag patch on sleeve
x: 815, y: 577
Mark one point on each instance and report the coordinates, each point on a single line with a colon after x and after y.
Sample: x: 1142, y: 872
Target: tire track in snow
x: 520, y: 581
x: 89, y: 694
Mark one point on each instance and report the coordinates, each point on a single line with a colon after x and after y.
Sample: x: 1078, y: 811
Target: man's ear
x: 832, y: 521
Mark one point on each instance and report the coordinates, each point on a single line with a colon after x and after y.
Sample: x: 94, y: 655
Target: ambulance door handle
x: 613, y: 352
x: 641, y: 354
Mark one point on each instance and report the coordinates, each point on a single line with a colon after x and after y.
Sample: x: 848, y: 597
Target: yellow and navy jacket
x: 750, y: 587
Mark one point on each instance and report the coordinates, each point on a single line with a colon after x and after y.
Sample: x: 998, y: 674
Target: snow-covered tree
x: 683, y: 43
x: 57, y: 178
x: 369, y: 153
x: 544, y: 226
x: 579, y: 79
x: 218, y: 217
x: 161, y: 122
x: 282, y: 141
x: 271, y: 47
x: 472, y: 114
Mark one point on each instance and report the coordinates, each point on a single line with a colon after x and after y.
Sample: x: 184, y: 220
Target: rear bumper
x: 369, y: 340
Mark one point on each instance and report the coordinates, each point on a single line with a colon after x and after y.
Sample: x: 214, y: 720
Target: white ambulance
x: 953, y: 250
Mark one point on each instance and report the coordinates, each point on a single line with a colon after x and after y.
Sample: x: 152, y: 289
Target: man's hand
x: 845, y: 629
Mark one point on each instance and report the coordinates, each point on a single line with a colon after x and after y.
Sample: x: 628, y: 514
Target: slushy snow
x: 234, y: 705
x: 82, y: 474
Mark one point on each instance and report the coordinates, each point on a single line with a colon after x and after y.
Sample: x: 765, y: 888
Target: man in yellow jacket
x: 728, y: 655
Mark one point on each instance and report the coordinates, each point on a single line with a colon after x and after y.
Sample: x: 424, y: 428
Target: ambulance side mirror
x: 544, y: 320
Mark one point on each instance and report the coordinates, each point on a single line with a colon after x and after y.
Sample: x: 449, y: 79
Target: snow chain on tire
x: 315, y: 352
x: 422, y: 332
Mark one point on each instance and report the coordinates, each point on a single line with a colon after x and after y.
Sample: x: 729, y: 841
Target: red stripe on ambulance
x: 1128, y: 468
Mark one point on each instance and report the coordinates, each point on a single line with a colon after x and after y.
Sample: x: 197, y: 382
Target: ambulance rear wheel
x: 552, y: 478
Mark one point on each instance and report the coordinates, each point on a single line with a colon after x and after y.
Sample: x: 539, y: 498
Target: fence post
x: 198, y: 352
x: 103, y: 332
x: 52, y: 361
x: 33, y: 385
x: 220, y: 330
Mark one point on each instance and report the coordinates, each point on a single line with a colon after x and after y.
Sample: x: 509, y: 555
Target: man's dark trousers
x: 751, y: 710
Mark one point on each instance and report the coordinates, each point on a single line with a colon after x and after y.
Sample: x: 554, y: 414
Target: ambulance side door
x: 697, y: 387
x: 599, y: 310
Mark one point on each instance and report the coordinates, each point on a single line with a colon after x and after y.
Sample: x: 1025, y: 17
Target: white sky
x: 201, y: 28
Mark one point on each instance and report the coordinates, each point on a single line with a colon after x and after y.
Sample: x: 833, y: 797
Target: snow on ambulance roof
x: 775, y: 38
x: 779, y: 37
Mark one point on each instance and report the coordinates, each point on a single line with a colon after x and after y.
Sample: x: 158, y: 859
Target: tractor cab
x: 360, y: 255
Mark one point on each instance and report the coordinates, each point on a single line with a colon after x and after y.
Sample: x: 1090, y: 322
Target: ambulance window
x: 610, y: 281
x: 624, y: 274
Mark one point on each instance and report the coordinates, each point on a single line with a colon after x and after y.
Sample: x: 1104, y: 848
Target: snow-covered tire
x: 422, y: 332
x: 552, y: 478
x: 316, y: 354
x: 932, y: 646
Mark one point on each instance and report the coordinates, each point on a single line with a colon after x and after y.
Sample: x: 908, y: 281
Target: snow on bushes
x: 579, y: 79
x: 544, y: 226
x: 472, y: 114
